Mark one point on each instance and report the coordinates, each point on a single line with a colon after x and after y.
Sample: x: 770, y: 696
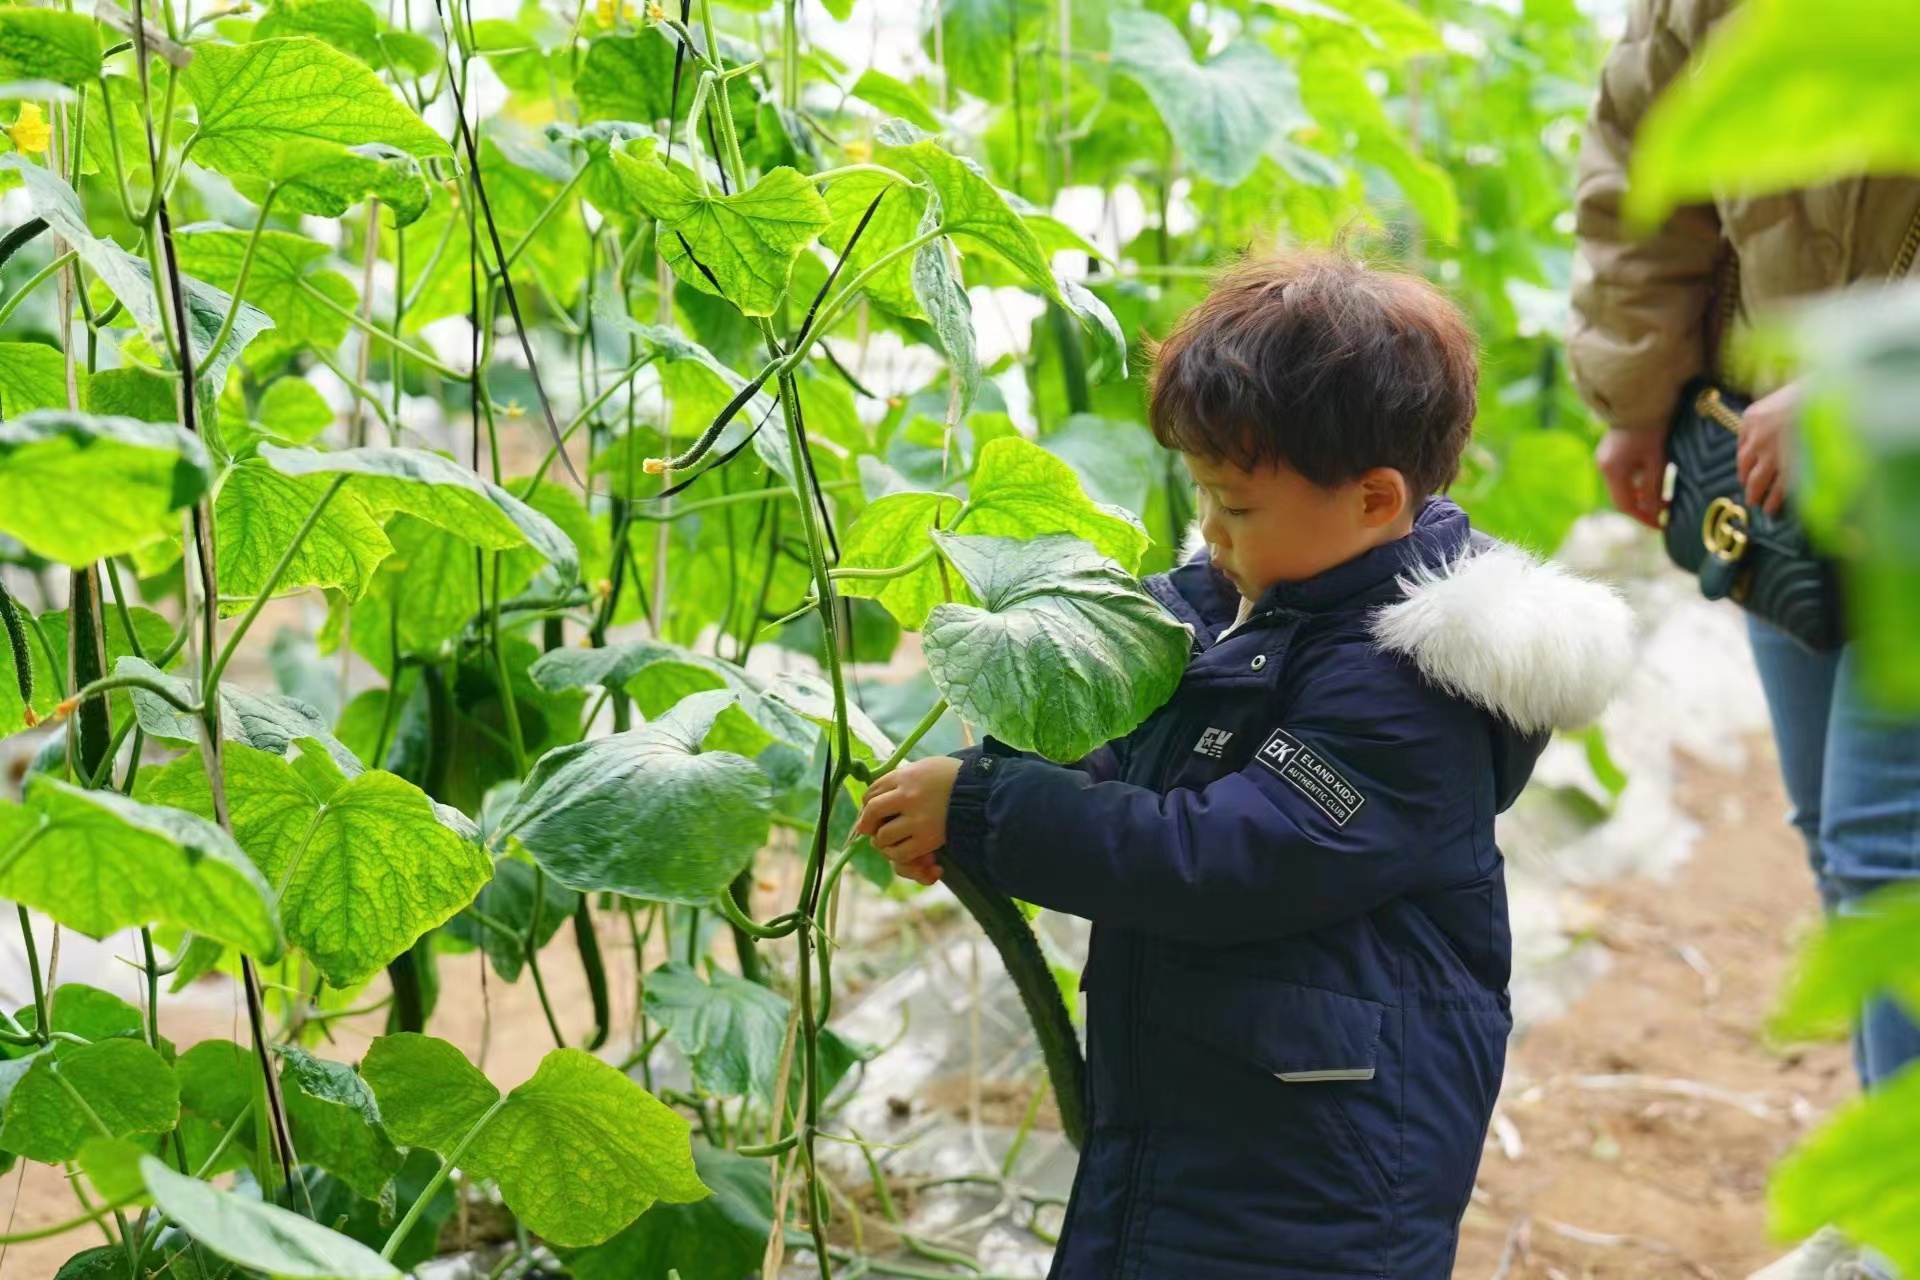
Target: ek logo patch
x: 1305, y: 771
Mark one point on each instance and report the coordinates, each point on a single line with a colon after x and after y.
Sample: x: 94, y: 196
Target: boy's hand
x: 906, y: 815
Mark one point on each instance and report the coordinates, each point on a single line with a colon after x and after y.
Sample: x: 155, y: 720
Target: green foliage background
x: 570, y: 357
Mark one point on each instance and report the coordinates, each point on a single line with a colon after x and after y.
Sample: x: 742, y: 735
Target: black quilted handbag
x: 1763, y: 563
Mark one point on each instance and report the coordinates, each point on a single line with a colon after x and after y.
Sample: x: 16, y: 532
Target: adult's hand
x: 1766, y: 445
x: 1635, y: 466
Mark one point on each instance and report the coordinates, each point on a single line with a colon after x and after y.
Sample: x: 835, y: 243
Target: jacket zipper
x: 1142, y: 1132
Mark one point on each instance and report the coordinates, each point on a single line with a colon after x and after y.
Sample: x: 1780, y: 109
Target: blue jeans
x: 1852, y: 773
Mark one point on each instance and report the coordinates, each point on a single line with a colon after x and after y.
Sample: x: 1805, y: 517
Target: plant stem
x: 267, y: 588
x: 882, y: 575
x: 41, y: 1029
x: 160, y: 690
x: 246, y: 269
x: 540, y: 220
x: 912, y: 739
x: 33, y: 282
x: 419, y: 1205
x: 533, y: 952
x: 373, y: 330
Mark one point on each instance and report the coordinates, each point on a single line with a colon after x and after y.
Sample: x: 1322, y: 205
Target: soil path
x: 1641, y: 1125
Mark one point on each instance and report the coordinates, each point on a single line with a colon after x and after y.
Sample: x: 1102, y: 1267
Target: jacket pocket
x: 1297, y: 1034
x: 1296, y: 1070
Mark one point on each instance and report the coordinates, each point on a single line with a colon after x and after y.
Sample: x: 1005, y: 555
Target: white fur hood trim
x: 1519, y: 636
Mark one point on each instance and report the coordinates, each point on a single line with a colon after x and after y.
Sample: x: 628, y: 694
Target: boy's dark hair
x: 1314, y: 360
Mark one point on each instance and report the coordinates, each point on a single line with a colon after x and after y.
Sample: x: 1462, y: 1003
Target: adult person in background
x: 1646, y: 311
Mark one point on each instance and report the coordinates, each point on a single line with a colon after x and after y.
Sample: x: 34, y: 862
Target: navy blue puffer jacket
x: 1296, y: 995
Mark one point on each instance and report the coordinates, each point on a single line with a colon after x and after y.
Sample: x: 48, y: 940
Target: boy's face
x: 1274, y: 525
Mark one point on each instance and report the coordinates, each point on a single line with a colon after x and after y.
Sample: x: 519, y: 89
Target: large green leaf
x: 1778, y: 101
x: 978, y: 39
x: 578, y: 1150
x: 1118, y: 463
x: 362, y: 866
x: 647, y: 812
x: 628, y: 78
x: 438, y: 490
x: 131, y: 279
x: 254, y: 99
x: 1223, y: 113
x: 894, y: 97
x: 293, y: 412
x: 258, y: 510
x: 1860, y: 1172
x: 55, y: 466
x: 943, y: 299
x: 33, y: 375
x: 1065, y: 651
x: 131, y: 392
x: 723, y: 1237
x: 895, y: 220
x: 123, y: 1087
x: 890, y: 532
x: 423, y: 595
x: 217, y: 1081
x: 973, y: 207
x: 265, y: 721
x: 731, y: 1030
x: 337, y: 1121
x: 87, y: 1012
x: 742, y: 245
x: 44, y: 44
x: 659, y: 675
x: 347, y: 25
x: 285, y: 267
x: 1020, y: 490
x: 98, y: 862
x: 327, y: 179
x: 264, y: 1237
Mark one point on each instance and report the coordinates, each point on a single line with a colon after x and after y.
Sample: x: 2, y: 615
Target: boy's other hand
x: 906, y: 816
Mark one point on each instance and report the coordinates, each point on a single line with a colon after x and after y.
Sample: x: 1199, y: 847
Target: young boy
x: 1297, y: 990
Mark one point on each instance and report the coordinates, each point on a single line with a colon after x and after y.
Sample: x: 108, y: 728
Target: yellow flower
x: 30, y: 132
x: 654, y: 12
x: 858, y: 151
x: 607, y: 12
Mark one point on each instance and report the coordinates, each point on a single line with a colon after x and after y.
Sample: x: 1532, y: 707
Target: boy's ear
x: 1385, y: 496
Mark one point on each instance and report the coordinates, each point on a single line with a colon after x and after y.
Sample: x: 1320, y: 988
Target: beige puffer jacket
x: 1640, y: 305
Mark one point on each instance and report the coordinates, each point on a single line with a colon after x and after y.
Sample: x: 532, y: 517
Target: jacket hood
x: 1482, y: 620
x: 1520, y: 636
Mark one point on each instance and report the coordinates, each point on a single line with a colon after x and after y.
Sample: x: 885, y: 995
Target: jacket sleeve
x: 1640, y: 303
x: 1378, y: 797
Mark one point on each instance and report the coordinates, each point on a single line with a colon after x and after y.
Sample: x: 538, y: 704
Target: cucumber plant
x: 551, y: 355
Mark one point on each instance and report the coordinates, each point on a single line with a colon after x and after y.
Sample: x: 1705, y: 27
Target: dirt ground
x: 1636, y: 1133
x: 1639, y: 1128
